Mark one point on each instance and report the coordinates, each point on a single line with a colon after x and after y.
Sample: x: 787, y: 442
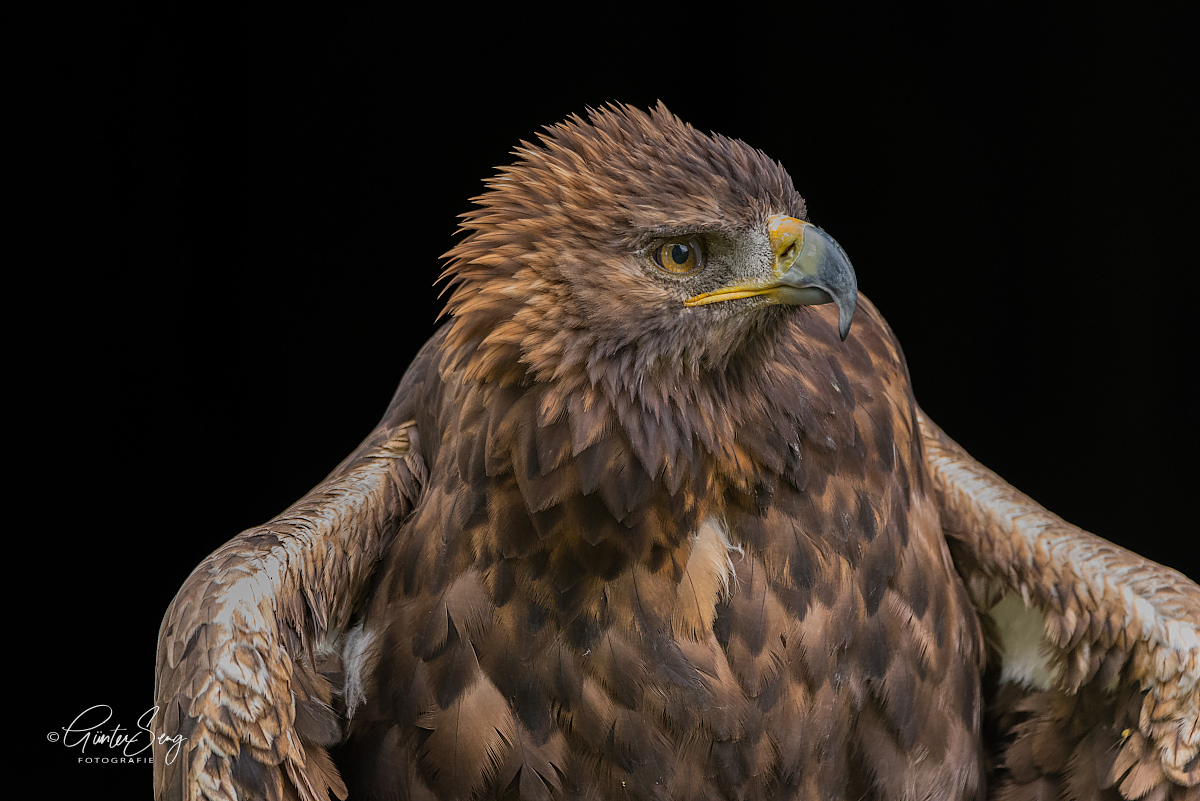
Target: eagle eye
x: 678, y: 256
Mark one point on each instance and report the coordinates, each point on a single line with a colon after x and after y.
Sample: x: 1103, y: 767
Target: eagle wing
x: 1095, y: 651
x: 240, y: 646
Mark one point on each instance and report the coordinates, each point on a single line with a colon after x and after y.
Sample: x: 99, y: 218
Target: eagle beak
x: 810, y: 268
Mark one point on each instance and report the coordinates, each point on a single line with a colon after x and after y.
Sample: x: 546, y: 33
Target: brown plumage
x: 624, y: 534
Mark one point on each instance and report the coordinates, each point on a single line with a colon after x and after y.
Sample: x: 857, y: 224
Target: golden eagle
x: 647, y: 519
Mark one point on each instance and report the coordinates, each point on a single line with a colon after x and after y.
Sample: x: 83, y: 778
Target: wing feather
x: 237, y: 653
x: 1075, y: 618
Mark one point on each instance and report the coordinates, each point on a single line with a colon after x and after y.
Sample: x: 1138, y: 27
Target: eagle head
x: 633, y: 238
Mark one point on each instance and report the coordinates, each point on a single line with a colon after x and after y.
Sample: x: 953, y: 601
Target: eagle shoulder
x: 240, y: 646
x: 1096, y: 650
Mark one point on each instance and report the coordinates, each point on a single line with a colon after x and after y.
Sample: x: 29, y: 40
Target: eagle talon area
x: 641, y: 522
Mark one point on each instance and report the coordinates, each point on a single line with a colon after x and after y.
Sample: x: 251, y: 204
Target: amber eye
x: 678, y: 256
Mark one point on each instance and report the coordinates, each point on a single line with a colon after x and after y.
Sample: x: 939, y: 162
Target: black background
x: 233, y: 228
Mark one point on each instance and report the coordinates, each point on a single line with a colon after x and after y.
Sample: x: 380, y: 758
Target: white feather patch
x: 358, y: 659
x: 712, y: 538
x: 1024, y: 648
